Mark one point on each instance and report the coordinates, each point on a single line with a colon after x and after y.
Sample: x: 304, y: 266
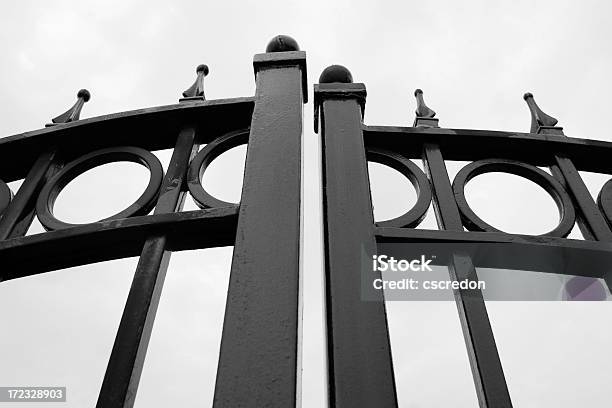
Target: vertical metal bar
x: 258, y: 361
x: 127, y: 357
x: 360, y: 366
x: 20, y: 212
x: 447, y: 213
x: 489, y: 379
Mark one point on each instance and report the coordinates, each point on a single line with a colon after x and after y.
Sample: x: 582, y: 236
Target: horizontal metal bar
x: 150, y: 128
x: 519, y: 252
x: 389, y: 234
x: 470, y: 145
x: 119, y: 238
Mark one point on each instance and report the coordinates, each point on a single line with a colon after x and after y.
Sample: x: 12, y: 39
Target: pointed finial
x: 196, y: 91
x: 74, y: 112
x: 282, y: 43
x: 424, y: 114
x: 540, y: 122
x: 422, y: 110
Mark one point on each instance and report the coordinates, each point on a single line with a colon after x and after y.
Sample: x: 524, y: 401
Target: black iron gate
x: 358, y: 328
x: 259, y: 363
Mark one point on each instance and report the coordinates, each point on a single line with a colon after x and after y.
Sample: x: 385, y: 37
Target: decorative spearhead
x: 74, y: 112
x: 196, y: 91
x: 539, y: 120
x: 424, y: 114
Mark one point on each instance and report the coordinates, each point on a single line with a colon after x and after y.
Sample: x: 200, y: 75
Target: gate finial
x: 424, y: 114
x: 196, y: 91
x: 336, y: 73
x: 283, y: 50
x: 336, y: 81
x: 282, y: 43
x: 74, y: 112
x: 541, y: 122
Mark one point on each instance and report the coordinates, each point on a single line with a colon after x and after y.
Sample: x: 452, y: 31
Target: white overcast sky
x: 474, y: 60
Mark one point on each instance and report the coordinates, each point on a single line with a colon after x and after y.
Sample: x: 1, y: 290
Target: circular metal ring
x: 142, y: 206
x: 604, y: 200
x: 203, y: 159
x: 412, y: 172
x: 6, y: 195
x: 567, y: 214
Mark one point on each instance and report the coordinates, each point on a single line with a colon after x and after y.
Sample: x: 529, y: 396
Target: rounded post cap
x: 336, y: 73
x: 527, y: 95
x: 202, y: 68
x: 84, y: 93
x: 282, y: 43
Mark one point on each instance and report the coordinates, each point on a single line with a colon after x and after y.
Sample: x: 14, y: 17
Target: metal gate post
x: 360, y: 364
x: 260, y: 348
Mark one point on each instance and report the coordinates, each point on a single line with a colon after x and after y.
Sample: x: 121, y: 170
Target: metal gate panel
x: 360, y: 364
x: 259, y: 358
